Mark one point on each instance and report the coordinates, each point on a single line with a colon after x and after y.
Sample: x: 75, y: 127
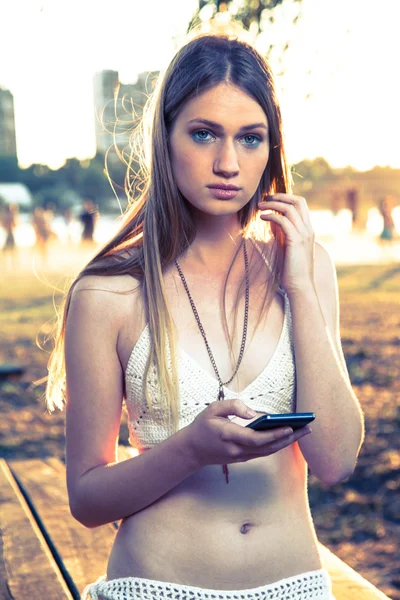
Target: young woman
x: 212, y: 305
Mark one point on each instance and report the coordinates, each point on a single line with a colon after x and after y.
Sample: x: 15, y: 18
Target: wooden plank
x: 27, y: 567
x: 8, y: 371
x: 81, y: 552
x: 347, y: 584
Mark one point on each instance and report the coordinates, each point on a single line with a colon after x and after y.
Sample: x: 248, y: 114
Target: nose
x: 226, y: 161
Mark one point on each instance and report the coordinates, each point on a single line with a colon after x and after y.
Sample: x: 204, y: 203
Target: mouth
x: 223, y: 186
x: 223, y: 191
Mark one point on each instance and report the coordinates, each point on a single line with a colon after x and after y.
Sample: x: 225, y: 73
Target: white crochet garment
x: 273, y: 391
x: 314, y: 585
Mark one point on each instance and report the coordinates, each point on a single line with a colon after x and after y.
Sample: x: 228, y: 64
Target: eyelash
x: 256, y: 138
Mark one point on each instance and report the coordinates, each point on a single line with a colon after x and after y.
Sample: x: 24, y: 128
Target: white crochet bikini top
x: 272, y: 391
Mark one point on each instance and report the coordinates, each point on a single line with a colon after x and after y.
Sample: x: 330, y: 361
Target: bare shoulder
x: 108, y: 283
x: 111, y: 296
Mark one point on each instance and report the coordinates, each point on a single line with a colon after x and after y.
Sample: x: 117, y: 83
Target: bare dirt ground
x: 358, y: 519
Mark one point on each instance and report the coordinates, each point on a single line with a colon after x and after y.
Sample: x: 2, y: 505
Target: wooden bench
x: 46, y: 555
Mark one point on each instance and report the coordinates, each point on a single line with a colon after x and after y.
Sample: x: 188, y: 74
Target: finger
x: 298, y: 202
x: 243, y: 453
x: 289, y: 211
x: 246, y: 436
x: 287, y: 227
x: 280, y: 443
x: 285, y: 197
x: 244, y: 422
x: 224, y: 408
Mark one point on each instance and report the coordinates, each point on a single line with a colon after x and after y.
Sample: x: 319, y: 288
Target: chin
x: 218, y: 208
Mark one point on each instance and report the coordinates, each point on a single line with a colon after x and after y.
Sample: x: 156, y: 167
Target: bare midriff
x: 206, y: 533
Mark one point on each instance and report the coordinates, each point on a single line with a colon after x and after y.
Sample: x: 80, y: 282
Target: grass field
x: 358, y: 519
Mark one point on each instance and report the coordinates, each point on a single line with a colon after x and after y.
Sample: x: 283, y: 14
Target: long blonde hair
x: 158, y: 226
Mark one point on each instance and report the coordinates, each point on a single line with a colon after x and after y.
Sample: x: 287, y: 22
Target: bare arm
x: 323, y: 384
x: 101, y: 490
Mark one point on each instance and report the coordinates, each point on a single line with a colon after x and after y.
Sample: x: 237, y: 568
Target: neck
x: 216, y: 242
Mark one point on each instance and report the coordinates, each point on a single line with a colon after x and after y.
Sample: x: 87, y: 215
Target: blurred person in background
x: 211, y: 307
x: 88, y: 218
x: 353, y: 200
x: 43, y: 233
x: 336, y: 200
x: 9, y: 222
x: 385, y: 208
x: 68, y: 221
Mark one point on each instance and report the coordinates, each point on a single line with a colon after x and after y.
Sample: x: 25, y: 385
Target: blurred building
x: 105, y: 86
x: 7, y: 124
x: 117, y: 106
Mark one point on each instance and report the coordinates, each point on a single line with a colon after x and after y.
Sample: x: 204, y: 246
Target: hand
x: 213, y: 439
x: 292, y: 215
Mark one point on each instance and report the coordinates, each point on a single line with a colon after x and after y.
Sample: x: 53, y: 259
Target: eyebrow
x: 220, y: 128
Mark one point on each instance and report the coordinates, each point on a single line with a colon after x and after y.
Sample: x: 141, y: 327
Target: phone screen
x: 293, y: 420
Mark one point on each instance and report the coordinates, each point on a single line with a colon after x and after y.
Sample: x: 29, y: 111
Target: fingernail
x: 251, y: 413
x: 288, y: 431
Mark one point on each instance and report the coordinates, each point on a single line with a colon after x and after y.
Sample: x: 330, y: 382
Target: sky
x: 339, y: 89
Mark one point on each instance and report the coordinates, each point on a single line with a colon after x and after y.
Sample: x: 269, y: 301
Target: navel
x: 245, y: 528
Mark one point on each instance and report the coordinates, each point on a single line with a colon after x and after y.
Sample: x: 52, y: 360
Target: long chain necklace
x: 221, y: 395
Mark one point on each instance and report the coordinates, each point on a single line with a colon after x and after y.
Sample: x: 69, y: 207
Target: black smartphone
x: 293, y: 420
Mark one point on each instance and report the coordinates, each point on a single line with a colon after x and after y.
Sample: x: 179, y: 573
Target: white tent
x: 15, y: 193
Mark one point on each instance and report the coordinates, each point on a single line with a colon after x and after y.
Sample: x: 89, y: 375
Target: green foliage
x: 50, y: 195
x: 91, y: 183
x: 246, y: 12
x: 37, y: 177
x: 314, y: 170
x: 69, y: 185
x: 320, y: 184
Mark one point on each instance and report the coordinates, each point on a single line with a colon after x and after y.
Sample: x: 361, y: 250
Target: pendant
x: 225, y: 469
x: 226, y: 472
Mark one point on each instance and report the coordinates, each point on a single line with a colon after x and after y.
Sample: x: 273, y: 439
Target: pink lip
x: 223, y: 191
x: 223, y: 186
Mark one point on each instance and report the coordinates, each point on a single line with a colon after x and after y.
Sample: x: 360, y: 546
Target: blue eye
x: 202, y: 135
x: 251, y: 140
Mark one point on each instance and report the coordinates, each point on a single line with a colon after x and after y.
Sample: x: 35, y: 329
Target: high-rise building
x: 117, y: 106
x: 105, y: 84
x: 7, y: 124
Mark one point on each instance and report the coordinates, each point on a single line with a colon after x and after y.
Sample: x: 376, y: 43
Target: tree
x: 51, y: 195
x: 250, y: 13
x: 314, y: 170
x: 37, y: 176
x: 71, y: 173
x: 94, y: 183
